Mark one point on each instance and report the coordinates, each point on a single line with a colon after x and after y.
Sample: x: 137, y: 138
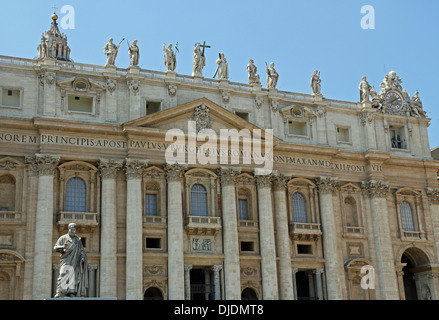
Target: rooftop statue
x: 133, y: 51
x: 315, y: 83
x: 170, y: 59
x: 272, y: 76
x: 253, y: 77
x: 364, y: 88
x: 111, y: 50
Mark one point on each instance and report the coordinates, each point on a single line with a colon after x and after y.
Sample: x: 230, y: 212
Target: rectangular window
x: 152, y: 107
x: 343, y: 135
x: 10, y: 98
x: 80, y: 104
x: 397, y: 138
x: 242, y: 209
x: 247, y: 246
x: 150, y: 205
x: 153, y: 243
x: 297, y: 128
x: 304, y: 249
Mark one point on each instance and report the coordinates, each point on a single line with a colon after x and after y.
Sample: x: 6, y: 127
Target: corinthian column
x: 46, y: 165
x: 282, y: 238
x: 331, y: 249
x: 385, y: 271
x: 230, y: 234
x: 175, y: 232
x: 108, y: 267
x: 266, y: 232
x: 433, y: 201
x: 134, y: 255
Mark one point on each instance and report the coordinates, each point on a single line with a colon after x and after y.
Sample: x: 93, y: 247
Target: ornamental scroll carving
x: 433, y: 195
x: 109, y: 168
x: 228, y: 175
x: 373, y: 188
x: 134, y: 168
x: 202, y: 117
x: 327, y: 184
x: 174, y: 172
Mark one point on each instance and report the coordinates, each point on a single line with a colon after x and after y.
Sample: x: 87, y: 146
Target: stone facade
x: 353, y: 185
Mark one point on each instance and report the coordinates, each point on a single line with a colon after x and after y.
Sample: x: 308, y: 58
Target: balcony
x: 202, y: 225
x: 305, y: 231
x: 10, y: 217
x: 85, y: 221
x: 354, y: 232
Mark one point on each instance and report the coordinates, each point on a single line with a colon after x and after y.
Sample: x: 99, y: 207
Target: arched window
x: 7, y: 193
x: 153, y: 294
x: 407, y: 217
x: 350, y: 207
x: 299, y: 208
x: 198, y: 200
x: 75, y: 195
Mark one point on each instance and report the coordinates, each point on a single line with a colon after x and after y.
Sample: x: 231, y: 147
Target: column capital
x: 375, y: 188
x: 294, y: 270
x: 318, y: 270
x: 109, y: 167
x: 187, y: 267
x: 46, y: 164
x: 327, y: 184
x: 216, y: 267
x: 227, y: 175
x: 263, y: 181
x: 280, y: 182
x: 174, y: 172
x: 92, y: 266
x: 32, y: 166
x: 433, y: 195
x: 134, y: 168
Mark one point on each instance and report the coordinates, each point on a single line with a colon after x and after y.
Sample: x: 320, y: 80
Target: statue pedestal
x: 134, y: 70
x: 256, y: 87
x: 171, y: 75
x: 198, y: 77
x: 318, y: 97
x: 110, y: 69
x: 366, y: 104
x: 223, y: 83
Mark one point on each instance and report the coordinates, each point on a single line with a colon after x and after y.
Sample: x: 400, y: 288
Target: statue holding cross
x: 199, y: 59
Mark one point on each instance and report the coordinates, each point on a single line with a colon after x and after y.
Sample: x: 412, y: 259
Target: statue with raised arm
x: 364, y: 88
x: 133, y: 51
x: 73, y: 274
x: 272, y: 76
x: 170, y: 59
x: 315, y: 83
x: 111, y: 50
x: 199, y: 61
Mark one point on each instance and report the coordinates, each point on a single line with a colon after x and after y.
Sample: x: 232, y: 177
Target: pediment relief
x: 299, y: 111
x: 350, y: 188
x: 81, y: 84
x: 406, y: 192
x: 204, y: 113
x: 9, y: 163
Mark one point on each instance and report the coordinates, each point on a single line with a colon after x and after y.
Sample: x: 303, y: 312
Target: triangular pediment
x: 205, y: 114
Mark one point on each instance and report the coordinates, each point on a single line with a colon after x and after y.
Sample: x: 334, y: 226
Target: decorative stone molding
x: 172, y: 90
x: 50, y: 78
x: 373, y: 188
x: 280, y: 182
x: 274, y: 106
x: 247, y: 272
x: 433, y: 195
x: 228, y: 175
x: 46, y: 164
x: 365, y: 117
x: 225, y: 96
x: 216, y: 268
x: 327, y: 184
x: 154, y: 270
x: 202, y: 117
x: 258, y: 102
x: 263, y: 181
x: 111, y: 85
x: 134, y: 168
x: 134, y: 86
x: 175, y: 172
x: 31, y: 162
x: 109, y: 167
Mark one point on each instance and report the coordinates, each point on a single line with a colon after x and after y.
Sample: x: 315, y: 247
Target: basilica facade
x: 338, y: 200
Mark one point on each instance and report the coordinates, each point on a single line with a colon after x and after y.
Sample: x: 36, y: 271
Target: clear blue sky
x: 298, y: 36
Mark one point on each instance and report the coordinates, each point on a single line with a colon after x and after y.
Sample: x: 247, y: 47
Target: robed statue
x: 73, y: 275
x: 133, y: 51
x: 111, y: 50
